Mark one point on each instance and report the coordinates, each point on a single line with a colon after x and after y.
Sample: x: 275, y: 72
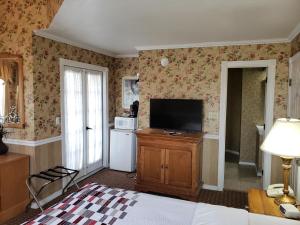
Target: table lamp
x: 284, y: 140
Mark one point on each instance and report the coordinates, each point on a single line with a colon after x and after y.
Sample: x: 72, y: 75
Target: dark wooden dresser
x: 169, y: 163
x: 14, y: 196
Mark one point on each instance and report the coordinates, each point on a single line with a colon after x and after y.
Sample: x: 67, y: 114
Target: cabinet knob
x: 166, y: 167
x: 162, y: 166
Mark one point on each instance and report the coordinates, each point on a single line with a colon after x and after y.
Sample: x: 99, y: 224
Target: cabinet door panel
x: 152, y: 163
x: 178, y: 168
x: 13, y: 187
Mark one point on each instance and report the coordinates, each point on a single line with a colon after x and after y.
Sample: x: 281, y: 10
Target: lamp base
x: 285, y: 199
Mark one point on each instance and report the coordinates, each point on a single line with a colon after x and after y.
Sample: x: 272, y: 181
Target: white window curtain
x: 94, y: 116
x: 74, y: 117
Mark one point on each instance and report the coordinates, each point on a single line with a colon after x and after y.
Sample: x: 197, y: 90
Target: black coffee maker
x: 134, y: 108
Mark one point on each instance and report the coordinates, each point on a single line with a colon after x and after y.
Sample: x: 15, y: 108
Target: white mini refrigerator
x: 123, y: 150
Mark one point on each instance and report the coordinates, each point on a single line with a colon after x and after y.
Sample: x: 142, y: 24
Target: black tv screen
x: 176, y: 114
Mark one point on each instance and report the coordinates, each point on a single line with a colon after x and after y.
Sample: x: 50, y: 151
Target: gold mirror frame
x: 19, y: 60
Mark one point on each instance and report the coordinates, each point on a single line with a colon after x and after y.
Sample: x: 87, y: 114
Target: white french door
x: 294, y: 112
x: 84, y: 116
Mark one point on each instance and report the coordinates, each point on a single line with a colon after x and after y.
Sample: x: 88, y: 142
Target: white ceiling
x: 119, y: 27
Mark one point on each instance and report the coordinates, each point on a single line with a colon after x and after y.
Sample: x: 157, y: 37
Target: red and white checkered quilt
x: 93, y: 204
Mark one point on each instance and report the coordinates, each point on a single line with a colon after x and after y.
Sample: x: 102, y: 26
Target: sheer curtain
x: 73, y: 118
x: 94, y: 118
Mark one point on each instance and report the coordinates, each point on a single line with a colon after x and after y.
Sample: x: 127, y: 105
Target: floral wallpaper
x: 53, y: 7
x: 18, y: 20
x: 296, y: 45
x: 46, y: 81
x: 123, y: 67
x: 195, y: 73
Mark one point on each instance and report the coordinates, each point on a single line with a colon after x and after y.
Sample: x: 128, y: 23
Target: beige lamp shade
x: 283, y: 139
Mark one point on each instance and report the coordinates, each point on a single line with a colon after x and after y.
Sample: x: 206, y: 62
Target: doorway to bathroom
x: 246, y: 90
x: 270, y: 70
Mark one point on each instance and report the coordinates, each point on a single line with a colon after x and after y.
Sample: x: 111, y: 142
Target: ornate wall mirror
x: 11, y: 90
x: 130, y: 91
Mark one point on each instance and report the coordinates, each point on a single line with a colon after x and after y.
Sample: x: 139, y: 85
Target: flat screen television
x: 176, y: 114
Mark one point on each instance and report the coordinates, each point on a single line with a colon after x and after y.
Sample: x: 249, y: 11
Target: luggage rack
x: 50, y: 176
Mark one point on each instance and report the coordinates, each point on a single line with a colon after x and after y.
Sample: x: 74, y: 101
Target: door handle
x: 88, y: 128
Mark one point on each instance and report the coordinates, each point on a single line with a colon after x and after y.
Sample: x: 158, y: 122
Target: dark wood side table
x: 260, y: 203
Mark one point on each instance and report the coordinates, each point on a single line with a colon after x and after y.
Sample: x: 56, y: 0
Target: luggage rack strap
x: 52, y: 175
x: 64, y: 168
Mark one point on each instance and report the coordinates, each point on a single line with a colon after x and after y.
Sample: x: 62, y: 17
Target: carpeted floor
x: 122, y: 180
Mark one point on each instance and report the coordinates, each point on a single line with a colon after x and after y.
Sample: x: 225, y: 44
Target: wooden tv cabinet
x: 169, y: 163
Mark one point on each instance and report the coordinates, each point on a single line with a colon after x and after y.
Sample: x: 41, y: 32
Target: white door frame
x: 291, y: 60
x: 295, y: 175
x: 271, y: 72
x: 104, y: 70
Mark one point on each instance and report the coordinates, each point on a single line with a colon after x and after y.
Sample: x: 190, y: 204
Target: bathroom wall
x: 234, y: 108
x: 253, y: 105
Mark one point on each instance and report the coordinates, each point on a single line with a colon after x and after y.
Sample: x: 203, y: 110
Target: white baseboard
x: 210, y: 187
x: 244, y: 163
x: 232, y: 152
x: 46, y: 200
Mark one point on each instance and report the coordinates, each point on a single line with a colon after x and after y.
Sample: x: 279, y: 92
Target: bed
x: 96, y: 204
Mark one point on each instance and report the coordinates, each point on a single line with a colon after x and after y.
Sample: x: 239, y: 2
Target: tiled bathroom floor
x: 240, y: 178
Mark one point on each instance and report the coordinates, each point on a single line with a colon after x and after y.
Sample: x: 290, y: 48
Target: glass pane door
x: 94, y: 107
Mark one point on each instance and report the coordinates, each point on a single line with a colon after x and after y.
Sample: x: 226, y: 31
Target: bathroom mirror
x: 130, y: 91
x: 11, y: 90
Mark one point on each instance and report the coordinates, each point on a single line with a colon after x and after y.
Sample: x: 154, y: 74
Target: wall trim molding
x: 211, y: 136
x: 213, y: 44
x: 210, y: 187
x: 32, y: 143
x: 127, y: 56
x: 294, y: 33
x: 45, y: 34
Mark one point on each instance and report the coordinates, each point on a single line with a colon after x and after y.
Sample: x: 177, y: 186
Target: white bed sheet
x: 131, y: 208
x: 156, y: 210
x: 257, y: 219
x: 206, y: 214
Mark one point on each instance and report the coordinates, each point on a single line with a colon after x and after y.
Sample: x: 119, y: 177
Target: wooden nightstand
x: 260, y: 203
